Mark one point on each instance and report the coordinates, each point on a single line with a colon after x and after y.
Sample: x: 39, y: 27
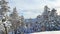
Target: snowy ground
x: 47, y: 32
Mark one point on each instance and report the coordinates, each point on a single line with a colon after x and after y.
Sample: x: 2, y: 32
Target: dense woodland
x: 12, y: 23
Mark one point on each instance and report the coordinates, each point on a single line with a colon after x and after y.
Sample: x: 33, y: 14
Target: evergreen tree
x: 22, y: 21
x: 15, y: 20
x: 3, y: 12
x: 14, y: 14
x: 4, y: 7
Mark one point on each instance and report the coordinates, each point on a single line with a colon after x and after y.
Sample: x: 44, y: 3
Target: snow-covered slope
x: 47, y: 32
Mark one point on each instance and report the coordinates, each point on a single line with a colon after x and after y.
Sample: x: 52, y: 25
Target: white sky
x: 32, y: 8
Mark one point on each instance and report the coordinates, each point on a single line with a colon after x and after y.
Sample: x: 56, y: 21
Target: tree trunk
x: 15, y: 31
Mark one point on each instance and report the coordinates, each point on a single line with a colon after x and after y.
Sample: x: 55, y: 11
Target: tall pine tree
x: 3, y: 12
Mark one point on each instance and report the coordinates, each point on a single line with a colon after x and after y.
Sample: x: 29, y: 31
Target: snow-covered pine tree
x: 45, y: 17
x: 14, y: 14
x: 54, y: 23
x: 15, y: 20
x: 4, y: 7
x: 3, y: 12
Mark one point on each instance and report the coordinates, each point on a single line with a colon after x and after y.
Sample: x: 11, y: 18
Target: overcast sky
x: 32, y: 8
